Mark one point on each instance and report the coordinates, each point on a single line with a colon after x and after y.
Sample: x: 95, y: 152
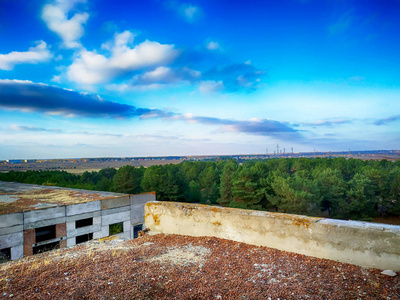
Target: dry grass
x: 181, y: 267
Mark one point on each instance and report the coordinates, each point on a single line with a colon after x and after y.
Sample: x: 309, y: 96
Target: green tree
x: 209, y: 183
x: 296, y: 194
x: 361, y: 202
x: 167, y: 181
x: 128, y: 179
x: 249, y: 187
x: 226, y: 184
x: 332, y: 188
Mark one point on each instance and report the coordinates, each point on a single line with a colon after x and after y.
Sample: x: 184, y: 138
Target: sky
x: 120, y: 78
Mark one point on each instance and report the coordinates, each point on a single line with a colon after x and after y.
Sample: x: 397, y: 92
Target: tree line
x: 330, y: 187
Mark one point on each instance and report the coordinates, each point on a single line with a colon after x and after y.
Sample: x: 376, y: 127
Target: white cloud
x: 159, y: 74
x: 90, y: 67
x: 34, y: 55
x: 188, y: 11
x: 69, y: 29
x: 56, y: 78
x: 160, y: 77
x: 210, y: 86
x: 213, y: 46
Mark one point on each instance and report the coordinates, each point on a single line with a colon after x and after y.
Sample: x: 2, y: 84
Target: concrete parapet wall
x: 366, y: 244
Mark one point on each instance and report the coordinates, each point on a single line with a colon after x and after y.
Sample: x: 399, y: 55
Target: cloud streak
x: 388, y: 120
x: 32, y: 97
x: 328, y: 123
x: 34, y: 55
x: 33, y: 128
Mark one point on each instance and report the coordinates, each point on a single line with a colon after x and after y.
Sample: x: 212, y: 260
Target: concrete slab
x: 43, y: 223
x: 116, y: 218
x: 142, y: 198
x: 83, y: 216
x: 44, y: 214
x: 83, y: 230
x: 11, y: 240
x: 116, y: 202
x: 11, y: 229
x: 111, y: 211
x: 78, y: 209
x: 11, y: 219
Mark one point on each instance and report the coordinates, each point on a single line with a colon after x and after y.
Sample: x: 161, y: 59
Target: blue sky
x: 155, y: 78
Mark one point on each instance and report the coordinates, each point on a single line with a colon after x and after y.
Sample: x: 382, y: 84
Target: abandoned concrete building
x: 36, y: 218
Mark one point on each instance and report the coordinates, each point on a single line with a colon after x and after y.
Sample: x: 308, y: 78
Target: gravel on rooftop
x: 181, y: 267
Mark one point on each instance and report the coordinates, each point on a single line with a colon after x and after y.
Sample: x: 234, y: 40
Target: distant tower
x: 277, y: 148
x: 292, y: 150
x: 284, y: 149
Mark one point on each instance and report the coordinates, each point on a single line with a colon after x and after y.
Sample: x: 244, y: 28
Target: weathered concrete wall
x: 11, y: 234
x: 17, y: 230
x: 360, y: 243
x: 137, y: 207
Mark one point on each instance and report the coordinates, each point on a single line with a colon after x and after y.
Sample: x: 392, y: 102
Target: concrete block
x: 70, y: 227
x: 97, y: 235
x: 8, y: 220
x: 71, y: 242
x: 115, y: 218
x: 43, y: 223
x: 137, y: 212
x: 78, y: 209
x: 11, y: 229
x: 43, y: 214
x: 83, y: 230
x: 127, y: 230
x: 115, y: 202
x: 142, y: 198
x: 97, y: 220
x: 11, y: 240
x: 83, y: 216
x: 17, y: 252
x: 105, y: 231
x: 115, y: 210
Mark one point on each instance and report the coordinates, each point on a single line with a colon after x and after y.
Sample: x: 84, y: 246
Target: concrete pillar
x: 105, y: 231
x: 71, y: 242
x: 17, y: 252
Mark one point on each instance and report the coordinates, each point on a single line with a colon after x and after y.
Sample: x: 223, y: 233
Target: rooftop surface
x: 18, y: 197
x: 181, y: 267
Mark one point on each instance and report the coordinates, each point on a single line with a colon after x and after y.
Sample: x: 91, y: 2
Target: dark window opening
x: 83, y: 222
x: 116, y: 228
x: 46, y: 247
x: 136, y: 230
x: 45, y: 233
x: 84, y: 238
x: 5, y: 255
